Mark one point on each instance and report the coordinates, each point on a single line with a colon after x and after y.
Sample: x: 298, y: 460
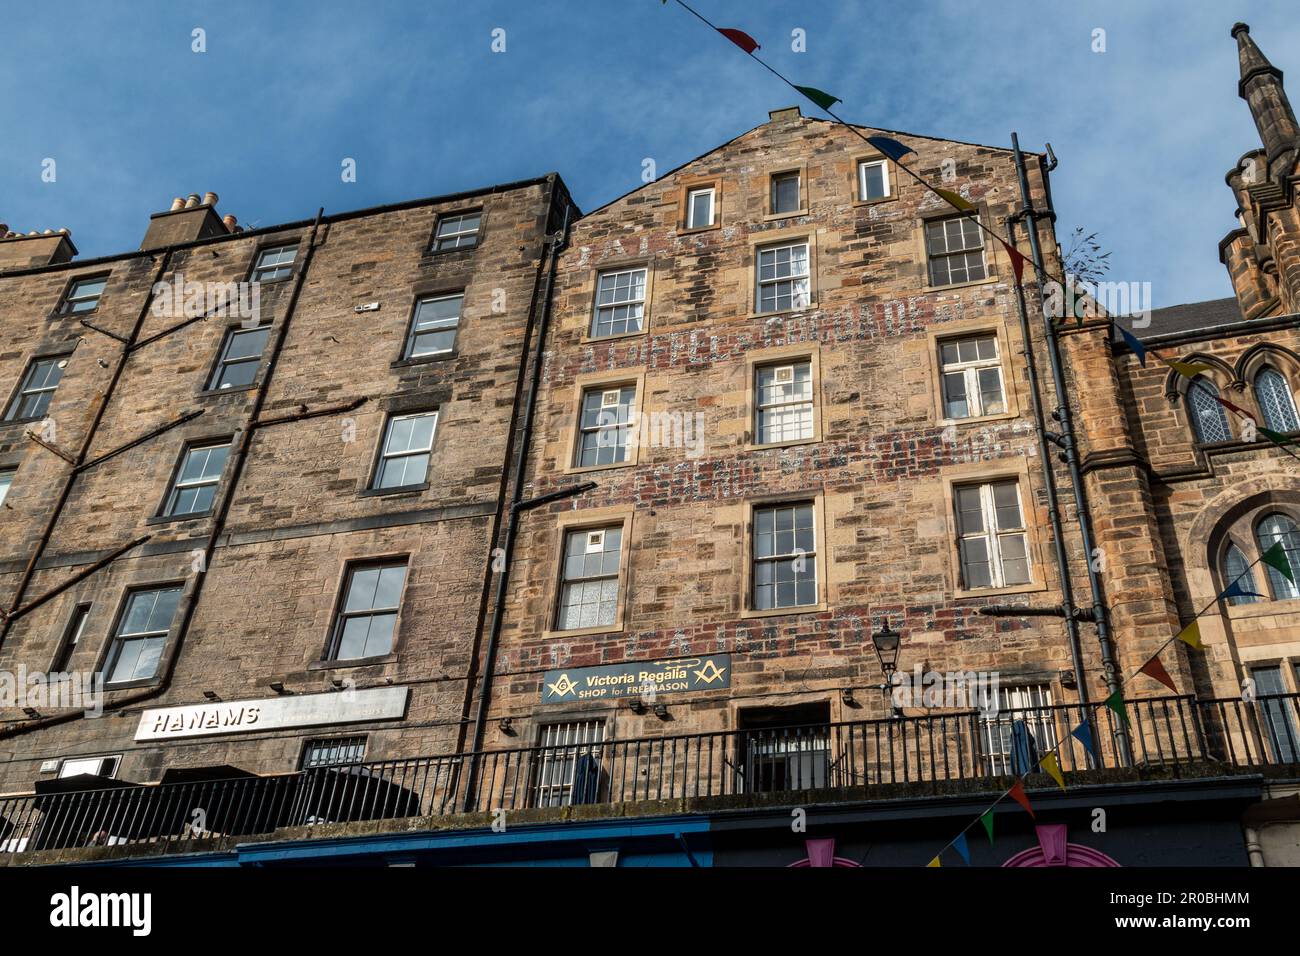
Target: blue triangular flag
x: 1235, y: 589
x: 1083, y: 734
x: 960, y: 846
x: 1138, y: 348
x: 890, y: 147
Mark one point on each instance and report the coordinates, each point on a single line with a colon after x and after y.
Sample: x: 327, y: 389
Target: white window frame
x: 712, y: 193
x: 970, y: 372
x: 225, y: 362
x: 179, y: 483
x: 862, y: 179
x: 343, y: 615
x: 434, y: 325
x: 280, y: 269
x: 778, y: 558
x: 595, y: 543
x: 75, y: 297
x: 122, y: 638
x: 387, y: 455
x: 634, y: 304
x: 611, y: 402
x: 800, y: 298
x: 6, y: 482
x: 992, y: 534
x: 455, y: 235
x: 762, y: 408
x: 106, y: 766
x: 26, y: 389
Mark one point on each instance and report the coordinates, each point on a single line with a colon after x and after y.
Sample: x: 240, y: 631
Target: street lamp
x: 886, y: 641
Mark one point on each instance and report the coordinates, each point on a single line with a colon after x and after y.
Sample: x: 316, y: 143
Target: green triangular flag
x: 820, y: 97
x: 987, y: 820
x: 1277, y: 438
x: 1116, y: 703
x: 1276, y: 558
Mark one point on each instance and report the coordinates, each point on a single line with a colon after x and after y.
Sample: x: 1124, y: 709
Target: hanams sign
x: 636, y: 678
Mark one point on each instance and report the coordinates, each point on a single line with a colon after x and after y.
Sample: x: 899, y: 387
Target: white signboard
x: 246, y: 716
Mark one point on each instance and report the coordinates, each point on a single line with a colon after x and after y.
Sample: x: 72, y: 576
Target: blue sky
x: 413, y: 92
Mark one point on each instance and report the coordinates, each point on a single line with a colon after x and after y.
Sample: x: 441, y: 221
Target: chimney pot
x: 178, y: 203
x: 209, y: 199
x: 191, y: 200
x: 230, y: 222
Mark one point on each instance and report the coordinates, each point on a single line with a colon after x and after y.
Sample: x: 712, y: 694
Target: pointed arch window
x: 1209, y: 420
x: 1237, y: 568
x: 1273, y: 393
x: 1270, y: 530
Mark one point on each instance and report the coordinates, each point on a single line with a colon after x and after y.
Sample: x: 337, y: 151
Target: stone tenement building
x: 614, y: 527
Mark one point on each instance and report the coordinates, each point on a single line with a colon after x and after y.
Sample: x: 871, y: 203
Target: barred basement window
x: 568, y: 769
x: 83, y: 295
x: 408, y: 446
x: 955, y: 247
x: 274, y: 263
x: 195, y: 485
x: 589, y: 580
x: 98, y: 766
x: 241, y: 354
x: 784, y: 748
x: 620, y: 303
x: 141, y: 634
x: 1022, y: 731
x: 603, y: 425
x: 38, y: 387
x: 971, y: 372
x: 785, y: 556
x: 457, y: 232
x: 1209, y: 419
x: 333, y: 751
x: 367, y: 620
x: 434, y: 325
x: 1276, y: 401
x: 784, y: 403
x: 992, y: 540
x: 783, y: 278
x: 873, y: 180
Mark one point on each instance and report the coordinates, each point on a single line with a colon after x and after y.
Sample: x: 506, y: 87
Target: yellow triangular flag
x: 934, y: 862
x: 1188, y: 369
x: 1191, y: 635
x: 956, y: 201
x: 1053, y: 769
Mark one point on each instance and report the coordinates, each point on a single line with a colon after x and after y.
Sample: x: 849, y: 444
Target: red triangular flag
x: 1017, y: 260
x: 1153, y: 668
x: 1017, y: 793
x: 740, y: 38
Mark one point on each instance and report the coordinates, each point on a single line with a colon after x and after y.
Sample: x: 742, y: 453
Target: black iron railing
x: 863, y: 755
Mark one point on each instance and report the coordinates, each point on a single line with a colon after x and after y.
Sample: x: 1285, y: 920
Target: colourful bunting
x: 956, y: 201
x: 934, y: 862
x: 890, y: 147
x: 1191, y: 634
x: 1187, y: 369
x: 740, y: 38
x: 820, y: 97
x: 1053, y: 769
x: 1116, y: 703
x: 1017, y: 793
x: 1134, y: 344
x: 987, y: 820
x: 1155, y: 670
x: 962, y: 849
x: 1228, y: 405
x: 1277, y: 559
x: 1083, y: 734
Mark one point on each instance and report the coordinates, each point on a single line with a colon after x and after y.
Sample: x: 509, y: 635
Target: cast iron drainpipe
x: 518, y: 505
x: 1053, y: 502
x: 218, y: 520
x: 1069, y: 446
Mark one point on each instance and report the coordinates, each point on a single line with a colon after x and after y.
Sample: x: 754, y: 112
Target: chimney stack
x: 18, y: 251
x: 188, y: 220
